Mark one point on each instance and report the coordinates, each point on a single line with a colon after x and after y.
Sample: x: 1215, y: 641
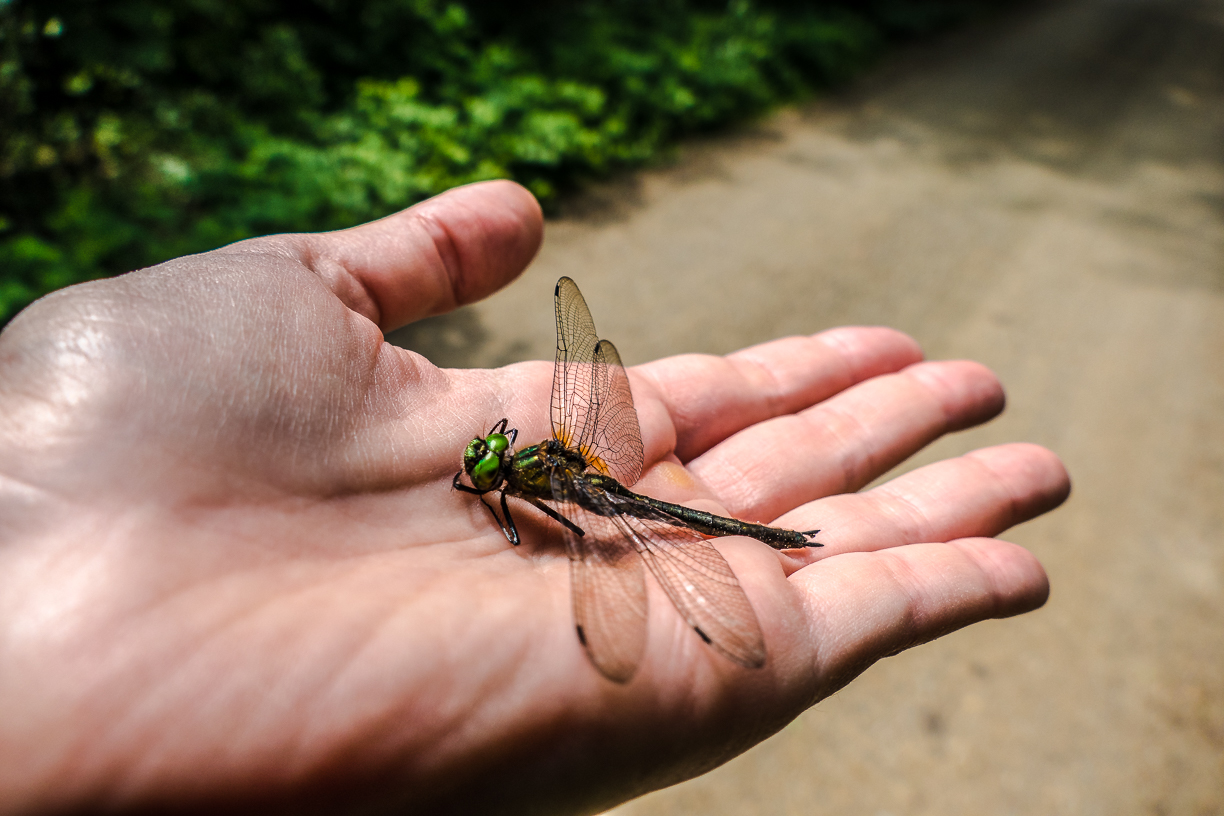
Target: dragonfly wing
x: 696, y: 578
x: 592, y: 406
x: 705, y: 591
x: 610, y: 609
x: 572, y: 407
x: 616, y: 448
x: 608, y: 588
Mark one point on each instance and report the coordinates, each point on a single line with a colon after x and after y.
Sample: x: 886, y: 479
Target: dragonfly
x: 579, y: 479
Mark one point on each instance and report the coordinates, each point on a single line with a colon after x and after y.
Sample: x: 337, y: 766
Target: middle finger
x: 848, y: 440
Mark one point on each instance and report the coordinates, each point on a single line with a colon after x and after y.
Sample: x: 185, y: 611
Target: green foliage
x: 139, y: 130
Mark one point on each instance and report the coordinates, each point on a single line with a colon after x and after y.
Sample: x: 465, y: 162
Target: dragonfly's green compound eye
x: 498, y: 443
x: 484, y: 474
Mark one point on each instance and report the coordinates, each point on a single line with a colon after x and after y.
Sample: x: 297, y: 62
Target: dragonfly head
x: 484, y: 460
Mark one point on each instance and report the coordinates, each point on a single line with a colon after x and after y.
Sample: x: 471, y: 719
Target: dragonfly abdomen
x: 635, y: 504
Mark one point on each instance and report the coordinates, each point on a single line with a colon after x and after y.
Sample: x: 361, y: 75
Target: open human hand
x: 234, y: 572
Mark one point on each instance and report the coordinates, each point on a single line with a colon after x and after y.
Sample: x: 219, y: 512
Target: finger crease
x: 900, y: 574
x: 446, y: 248
x: 986, y: 577
x: 336, y: 276
x: 908, y: 517
x: 766, y: 376
x: 1002, y: 487
x: 847, y: 434
x: 932, y: 392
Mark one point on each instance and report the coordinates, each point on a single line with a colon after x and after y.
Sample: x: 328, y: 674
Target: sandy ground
x: 1044, y: 193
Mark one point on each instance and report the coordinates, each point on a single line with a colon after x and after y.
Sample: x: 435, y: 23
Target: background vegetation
x: 138, y: 130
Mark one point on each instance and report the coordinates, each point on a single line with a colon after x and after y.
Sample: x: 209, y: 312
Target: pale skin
x: 233, y: 570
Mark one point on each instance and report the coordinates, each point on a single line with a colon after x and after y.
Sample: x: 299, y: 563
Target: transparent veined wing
x: 616, y: 445
x: 607, y: 585
x: 701, y: 585
x: 592, y: 405
x: 574, y: 372
x: 694, y: 575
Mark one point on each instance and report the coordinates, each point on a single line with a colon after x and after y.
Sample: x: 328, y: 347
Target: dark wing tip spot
x: 581, y: 636
x: 704, y: 636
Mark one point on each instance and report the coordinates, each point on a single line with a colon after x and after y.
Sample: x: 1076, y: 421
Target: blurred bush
x: 138, y: 130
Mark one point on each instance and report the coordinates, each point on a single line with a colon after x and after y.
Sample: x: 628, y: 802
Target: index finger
x: 712, y: 398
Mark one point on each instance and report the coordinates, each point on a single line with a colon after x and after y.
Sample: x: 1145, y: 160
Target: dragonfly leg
x: 510, y: 533
x: 458, y: 485
x: 508, y: 528
x: 553, y: 514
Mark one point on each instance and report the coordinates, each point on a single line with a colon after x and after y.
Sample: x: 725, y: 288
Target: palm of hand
x: 234, y: 569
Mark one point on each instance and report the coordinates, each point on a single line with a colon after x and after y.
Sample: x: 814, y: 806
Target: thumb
x: 450, y: 250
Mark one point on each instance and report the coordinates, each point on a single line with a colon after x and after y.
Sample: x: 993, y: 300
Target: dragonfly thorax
x: 530, y: 472
x: 554, y: 456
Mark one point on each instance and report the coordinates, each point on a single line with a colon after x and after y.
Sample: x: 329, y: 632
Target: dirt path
x: 1045, y: 194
